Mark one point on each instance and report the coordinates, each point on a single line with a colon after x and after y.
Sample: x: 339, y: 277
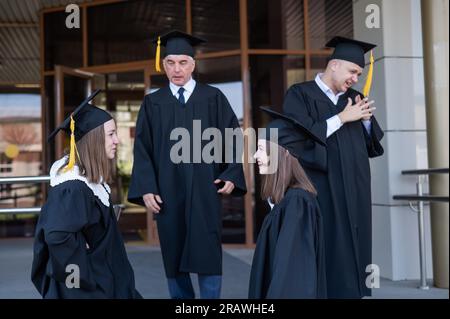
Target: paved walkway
x: 16, y: 256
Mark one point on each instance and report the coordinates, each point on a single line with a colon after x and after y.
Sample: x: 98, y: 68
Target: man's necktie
x: 181, y: 96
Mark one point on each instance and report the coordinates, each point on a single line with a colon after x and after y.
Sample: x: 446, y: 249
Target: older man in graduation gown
x: 343, y: 118
x: 174, y: 181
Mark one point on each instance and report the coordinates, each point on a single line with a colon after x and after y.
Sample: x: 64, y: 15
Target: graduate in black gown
x: 289, y: 260
x: 343, y: 120
x: 78, y: 249
x: 172, y: 179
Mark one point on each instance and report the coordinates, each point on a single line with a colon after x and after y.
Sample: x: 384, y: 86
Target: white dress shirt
x: 188, y: 89
x: 334, y: 123
x: 270, y: 204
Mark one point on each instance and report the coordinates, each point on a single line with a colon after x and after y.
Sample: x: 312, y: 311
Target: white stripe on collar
x: 101, y: 191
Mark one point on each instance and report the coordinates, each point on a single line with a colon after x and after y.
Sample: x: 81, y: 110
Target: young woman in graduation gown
x: 78, y: 250
x: 288, y: 260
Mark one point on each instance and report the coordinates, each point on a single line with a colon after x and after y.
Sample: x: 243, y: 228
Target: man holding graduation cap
x: 184, y: 195
x: 343, y: 119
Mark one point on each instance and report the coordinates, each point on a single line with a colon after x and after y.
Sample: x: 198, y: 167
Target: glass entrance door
x: 72, y: 86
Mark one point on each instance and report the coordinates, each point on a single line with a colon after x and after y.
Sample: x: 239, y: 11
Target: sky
x: 20, y: 105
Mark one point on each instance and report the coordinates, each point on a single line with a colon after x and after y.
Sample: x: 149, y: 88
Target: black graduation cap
x: 349, y: 50
x: 176, y: 42
x: 353, y: 51
x: 291, y: 134
x: 86, y: 117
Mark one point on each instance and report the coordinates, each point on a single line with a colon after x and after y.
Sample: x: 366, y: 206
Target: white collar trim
x: 101, y: 191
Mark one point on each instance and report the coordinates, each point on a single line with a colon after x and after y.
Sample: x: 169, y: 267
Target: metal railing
x: 420, y: 198
x: 118, y: 208
x: 23, y: 180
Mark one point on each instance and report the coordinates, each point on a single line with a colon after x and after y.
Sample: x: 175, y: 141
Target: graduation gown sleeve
x: 60, y: 241
x: 231, y: 170
x: 143, y: 177
x: 313, y: 154
x: 373, y: 139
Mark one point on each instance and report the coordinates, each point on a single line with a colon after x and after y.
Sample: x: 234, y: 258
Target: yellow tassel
x: 158, y: 55
x: 73, y: 146
x: 368, y: 84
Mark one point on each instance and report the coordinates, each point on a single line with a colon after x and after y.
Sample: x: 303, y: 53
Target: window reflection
x: 318, y: 64
x: 62, y: 45
x: 225, y: 74
x: 329, y: 18
x: 276, y: 24
x: 217, y: 21
x: 271, y: 77
x: 123, y: 32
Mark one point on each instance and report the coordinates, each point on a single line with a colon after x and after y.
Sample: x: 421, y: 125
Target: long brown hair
x: 289, y: 174
x: 93, y: 162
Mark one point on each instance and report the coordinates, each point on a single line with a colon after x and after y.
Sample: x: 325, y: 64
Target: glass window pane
x: 218, y: 22
x: 49, y: 117
x: 276, y: 24
x: 124, y: 95
x: 318, y: 64
x: 123, y: 32
x: 218, y: 70
x: 158, y: 81
x: 295, y: 70
x: 75, y: 91
x: 62, y: 45
x: 225, y: 74
x: 271, y: 76
x: 329, y: 18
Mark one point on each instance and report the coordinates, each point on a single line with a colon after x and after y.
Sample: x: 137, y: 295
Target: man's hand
x: 369, y: 116
x: 151, y: 202
x: 226, y: 189
x: 362, y: 110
